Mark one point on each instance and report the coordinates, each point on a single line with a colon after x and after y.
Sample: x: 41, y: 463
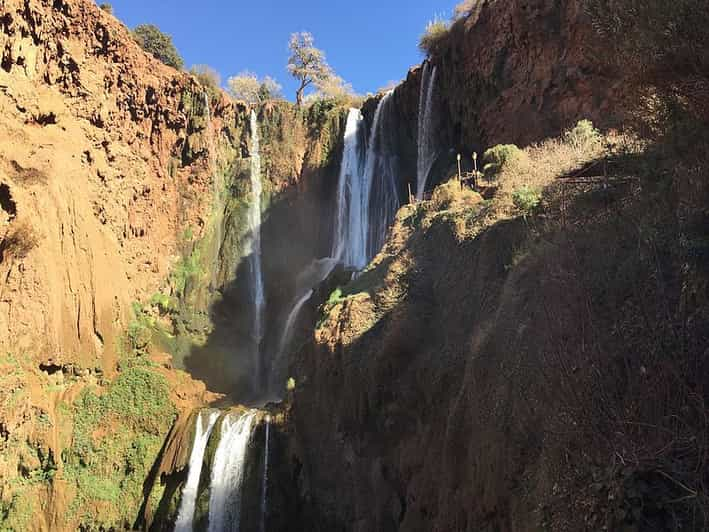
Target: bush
x: 435, y: 32
x: 108, y: 8
x: 451, y: 193
x: 159, y: 44
x: 497, y: 157
x: 582, y: 135
x: 208, y: 77
x: 526, y: 199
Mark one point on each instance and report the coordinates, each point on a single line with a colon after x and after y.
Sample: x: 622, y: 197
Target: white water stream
x: 205, y: 424
x: 427, y: 146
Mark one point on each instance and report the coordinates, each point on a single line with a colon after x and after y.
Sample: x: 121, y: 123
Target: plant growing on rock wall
x: 108, y: 8
x: 307, y: 64
x: 435, y: 32
x: 582, y: 135
x: 159, y: 44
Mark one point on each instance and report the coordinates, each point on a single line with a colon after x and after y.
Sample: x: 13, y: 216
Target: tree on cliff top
x: 159, y: 44
x: 248, y: 87
x: 307, y: 63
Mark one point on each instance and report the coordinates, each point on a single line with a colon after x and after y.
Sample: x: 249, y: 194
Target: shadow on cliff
x: 295, y: 230
x: 527, y: 360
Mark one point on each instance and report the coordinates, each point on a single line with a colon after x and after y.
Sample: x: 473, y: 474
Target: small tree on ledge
x: 307, y: 64
x: 159, y: 44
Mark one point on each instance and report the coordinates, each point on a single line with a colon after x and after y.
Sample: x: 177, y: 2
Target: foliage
x: 582, y: 135
x: 159, y: 44
x: 526, y: 199
x: 207, y: 76
x: 290, y: 384
x: 435, y: 32
x: 116, y: 437
x: 139, y: 330
x: 337, y: 90
x: 450, y: 193
x: 188, y: 269
x: 496, y: 158
x: 108, y: 8
x: 248, y: 87
x: 307, y: 63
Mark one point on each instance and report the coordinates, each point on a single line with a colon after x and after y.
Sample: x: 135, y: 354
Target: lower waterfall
x: 264, y: 477
x: 202, y: 432
x: 228, y: 472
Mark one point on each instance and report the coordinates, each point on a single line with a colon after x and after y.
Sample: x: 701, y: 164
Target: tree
x: 307, y: 64
x: 159, y: 44
x: 206, y: 75
x: 108, y: 8
x: 248, y: 87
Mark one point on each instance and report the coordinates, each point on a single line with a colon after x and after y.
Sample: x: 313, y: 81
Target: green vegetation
x: 159, y: 44
x: 496, y: 158
x: 108, y: 8
x: 434, y: 34
x: 116, y: 436
x: 582, y: 135
x: 188, y: 270
x: 450, y: 193
x: 526, y: 199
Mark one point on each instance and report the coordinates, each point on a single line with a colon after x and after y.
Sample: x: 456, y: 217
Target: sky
x: 369, y: 43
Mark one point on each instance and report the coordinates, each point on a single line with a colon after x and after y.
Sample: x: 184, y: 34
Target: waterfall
x: 306, y: 282
x: 189, y: 491
x: 427, y: 146
x: 228, y: 472
x: 367, y: 197
x: 254, y: 220
x: 381, y: 176
x: 264, y: 478
x: 349, y: 242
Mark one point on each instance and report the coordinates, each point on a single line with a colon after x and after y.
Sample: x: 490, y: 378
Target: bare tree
x: 307, y: 63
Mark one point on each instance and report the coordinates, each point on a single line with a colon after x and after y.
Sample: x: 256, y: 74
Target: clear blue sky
x: 367, y: 42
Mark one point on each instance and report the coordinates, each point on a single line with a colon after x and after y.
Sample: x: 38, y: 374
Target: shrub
x: 108, y: 8
x: 582, y: 135
x: 208, y: 77
x: 526, y: 199
x: 450, y: 193
x: 435, y: 32
x: 19, y: 241
x: 496, y: 158
x: 159, y: 44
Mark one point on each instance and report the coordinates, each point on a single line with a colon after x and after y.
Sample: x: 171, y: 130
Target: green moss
x: 117, y: 437
x: 17, y: 515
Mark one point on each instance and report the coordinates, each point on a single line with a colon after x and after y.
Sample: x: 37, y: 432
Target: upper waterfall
x: 254, y: 258
x: 367, y: 194
x: 426, y: 140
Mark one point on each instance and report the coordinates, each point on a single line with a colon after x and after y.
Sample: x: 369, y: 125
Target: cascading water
x: 350, y: 238
x: 228, y: 472
x: 264, y: 477
x: 203, y: 429
x: 381, y: 176
x: 427, y: 146
x: 367, y: 197
x: 254, y: 258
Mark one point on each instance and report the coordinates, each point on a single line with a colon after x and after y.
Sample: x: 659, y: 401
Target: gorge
x: 225, y: 316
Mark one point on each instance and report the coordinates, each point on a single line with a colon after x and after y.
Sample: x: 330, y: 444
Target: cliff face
x: 519, y: 72
x: 95, y: 134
